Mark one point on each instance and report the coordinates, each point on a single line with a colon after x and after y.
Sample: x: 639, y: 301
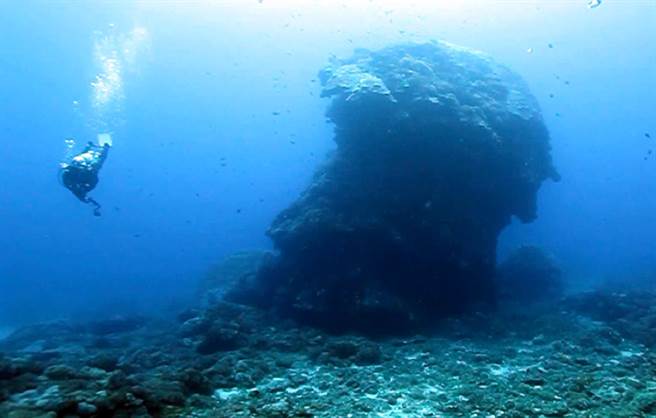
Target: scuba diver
x: 80, y: 175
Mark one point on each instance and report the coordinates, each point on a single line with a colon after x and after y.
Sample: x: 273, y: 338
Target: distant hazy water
x: 4, y: 332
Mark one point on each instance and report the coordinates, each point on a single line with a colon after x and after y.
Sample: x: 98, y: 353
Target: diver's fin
x: 96, y: 205
x: 105, y: 139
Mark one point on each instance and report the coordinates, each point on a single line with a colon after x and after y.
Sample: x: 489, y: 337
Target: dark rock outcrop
x: 437, y: 148
x: 529, y: 275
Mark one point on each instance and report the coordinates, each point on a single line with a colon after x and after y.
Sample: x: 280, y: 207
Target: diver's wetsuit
x: 80, y: 176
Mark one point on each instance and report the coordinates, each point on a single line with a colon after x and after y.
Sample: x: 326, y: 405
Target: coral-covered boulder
x: 529, y: 275
x: 437, y: 148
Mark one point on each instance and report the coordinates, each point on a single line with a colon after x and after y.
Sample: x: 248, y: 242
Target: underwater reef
x: 437, y: 148
x: 573, y: 357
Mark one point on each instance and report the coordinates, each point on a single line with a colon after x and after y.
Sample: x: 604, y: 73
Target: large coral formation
x: 437, y: 148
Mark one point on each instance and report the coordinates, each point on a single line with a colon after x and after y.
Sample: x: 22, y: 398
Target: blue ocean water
x: 217, y: 125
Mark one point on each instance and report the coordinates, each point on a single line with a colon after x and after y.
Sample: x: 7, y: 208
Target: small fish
x: 647, y: 135
x: 550, y: 46
x: 275, y: 113
x: 551, y: 95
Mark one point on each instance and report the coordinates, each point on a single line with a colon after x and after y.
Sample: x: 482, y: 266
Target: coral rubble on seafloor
x: 573, y: 359
x: 437, y: 148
